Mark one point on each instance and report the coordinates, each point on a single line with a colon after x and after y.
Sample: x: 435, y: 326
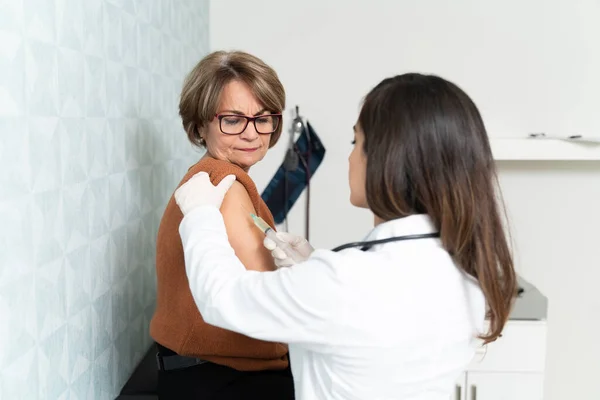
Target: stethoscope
x: 364, y: 246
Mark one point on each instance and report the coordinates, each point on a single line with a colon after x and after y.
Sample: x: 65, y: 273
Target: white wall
x: 530, y: 66
x: 91, y: 147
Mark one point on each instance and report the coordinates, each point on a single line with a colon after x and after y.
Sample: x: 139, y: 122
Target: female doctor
x: 398, y: 316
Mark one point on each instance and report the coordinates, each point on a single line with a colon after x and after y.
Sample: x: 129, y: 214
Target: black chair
x: 143, y: 383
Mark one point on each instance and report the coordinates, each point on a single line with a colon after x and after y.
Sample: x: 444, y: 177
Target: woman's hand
x: 199, y: 191
x: 288, y: 249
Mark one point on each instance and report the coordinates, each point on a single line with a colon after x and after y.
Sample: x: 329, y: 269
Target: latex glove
x: 288, y: 249
x: 199, y: 191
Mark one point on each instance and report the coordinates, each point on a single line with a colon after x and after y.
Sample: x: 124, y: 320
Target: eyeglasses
x: 233, y: 124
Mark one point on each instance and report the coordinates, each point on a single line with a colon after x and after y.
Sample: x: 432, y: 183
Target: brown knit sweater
x: 177, y: 323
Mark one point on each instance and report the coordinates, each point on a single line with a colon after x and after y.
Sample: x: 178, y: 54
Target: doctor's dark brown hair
x: 203, y: 86
x: 428, y: 152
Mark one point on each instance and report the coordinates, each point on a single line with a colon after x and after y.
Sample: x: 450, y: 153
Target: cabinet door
x: 460, y: 392
x: 504, y: 386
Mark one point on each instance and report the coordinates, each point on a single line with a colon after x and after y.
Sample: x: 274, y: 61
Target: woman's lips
x: 249, y: 150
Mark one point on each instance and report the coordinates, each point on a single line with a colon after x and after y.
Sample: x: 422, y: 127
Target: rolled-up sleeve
x: 299, y: 304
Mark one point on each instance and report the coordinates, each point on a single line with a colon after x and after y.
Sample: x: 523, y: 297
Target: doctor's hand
x: 288, y: 249
x: 199, y: 191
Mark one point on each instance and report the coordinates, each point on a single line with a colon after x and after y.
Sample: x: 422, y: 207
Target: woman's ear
x: 202, y: 135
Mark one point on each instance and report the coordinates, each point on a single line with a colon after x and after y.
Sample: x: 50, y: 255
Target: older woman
x: 231, y: 105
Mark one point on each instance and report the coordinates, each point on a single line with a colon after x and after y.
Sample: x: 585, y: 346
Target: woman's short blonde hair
x: 203, y: 86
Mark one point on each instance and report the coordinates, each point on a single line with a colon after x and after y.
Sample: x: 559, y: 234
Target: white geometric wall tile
x: 15, y: 167
x: 114, y: 89
x: 116, y: 200
x: 156, y: 51
x: 129, y: 39
x: 100, y: 264
x: 115, y: 143
x: 123, y: 352
x: 79, y: 331
x: 143, y: 45
x: 165, y: 17
x: 76, y: 198
x: 118, y: 248
x: 128, y: 6
x: 50, y: 297
x: 156, y: 14
x: 133, y: 195
x: 93, y: 27
x: 12, y: 14
x: 145, y: 143
x: 131, y: 92
x: 41, y: 78
x: 78, y: 275
x: 21, y: 380
x: 135, y: 301
x: 146, y: 182
x: 103, y: 376
x: 102, y: 322
x: 12, y: 78
x: 132, y: 144
x: 94, y: 86
x: 16, y: 258
x: 53, y: 364
x: 113, y: 45
x: 19, y: 329
x: 40, y: 20
x: 145, y: 103
x: 70, y: 81
x: 98, y: 208
x: 73, y: 150
x: 91, y: 148
x: 97, y: 154
x: 48, y: 226
x: 69, y: 23
x: 120, y: 310
x: 44, y: 153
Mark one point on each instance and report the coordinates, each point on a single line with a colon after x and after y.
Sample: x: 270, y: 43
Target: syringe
x: 271, y: 234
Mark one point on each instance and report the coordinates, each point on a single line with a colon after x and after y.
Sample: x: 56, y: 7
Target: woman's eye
x: 353, y: 141
x: 232, y: 120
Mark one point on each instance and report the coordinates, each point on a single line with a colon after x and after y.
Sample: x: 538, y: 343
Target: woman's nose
x: 250, y: 132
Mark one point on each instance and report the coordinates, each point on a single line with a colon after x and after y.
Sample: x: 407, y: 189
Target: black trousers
x: 210, y: 381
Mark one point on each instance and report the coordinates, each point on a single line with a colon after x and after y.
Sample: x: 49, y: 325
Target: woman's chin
x: 244, y: 163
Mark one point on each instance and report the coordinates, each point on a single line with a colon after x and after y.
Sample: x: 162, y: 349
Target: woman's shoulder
x: 219, y: 169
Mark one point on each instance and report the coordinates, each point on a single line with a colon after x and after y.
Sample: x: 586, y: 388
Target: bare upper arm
x: 245, y: 238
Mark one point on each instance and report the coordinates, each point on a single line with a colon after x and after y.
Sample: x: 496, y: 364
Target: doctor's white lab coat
x: 399, y: 321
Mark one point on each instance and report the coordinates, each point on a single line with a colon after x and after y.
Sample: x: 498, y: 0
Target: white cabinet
x: 459, y: 389
x: 511, y: 368
x: 504, y: 386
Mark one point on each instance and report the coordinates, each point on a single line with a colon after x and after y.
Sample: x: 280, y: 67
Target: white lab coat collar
x: 411, y: 225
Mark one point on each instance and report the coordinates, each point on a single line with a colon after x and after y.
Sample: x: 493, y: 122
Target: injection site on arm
x: 296, y: 304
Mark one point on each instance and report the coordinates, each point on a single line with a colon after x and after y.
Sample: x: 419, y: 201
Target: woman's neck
x: 208, y: 155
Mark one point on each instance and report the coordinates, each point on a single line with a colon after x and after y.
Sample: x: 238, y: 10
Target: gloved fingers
x: 298, y: 243
x: 182, y: 192
x: 279, y: 254
x: 305, y: 248
x: 289, y: 238
x: 286, y: 262
x: 201, y: 176
x: 226, y: 183
x: 269, y: 244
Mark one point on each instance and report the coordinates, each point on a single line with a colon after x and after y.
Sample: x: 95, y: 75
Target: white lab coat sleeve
x: 299, y: 304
